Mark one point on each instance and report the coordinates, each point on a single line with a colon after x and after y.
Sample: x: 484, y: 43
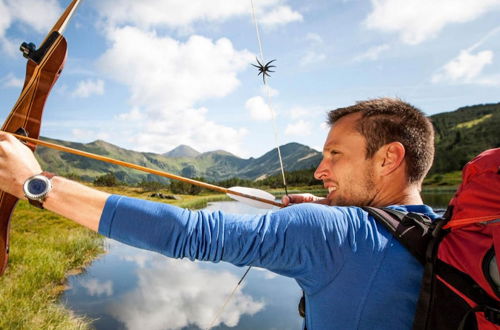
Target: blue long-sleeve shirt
x: 354, y: 273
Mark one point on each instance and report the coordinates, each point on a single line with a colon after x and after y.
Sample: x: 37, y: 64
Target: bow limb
x: 44, y: 66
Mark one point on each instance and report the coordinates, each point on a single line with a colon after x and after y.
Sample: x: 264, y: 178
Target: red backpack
x: 461, y: 281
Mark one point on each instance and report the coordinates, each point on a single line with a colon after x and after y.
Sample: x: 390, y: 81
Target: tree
x: 106, y: 180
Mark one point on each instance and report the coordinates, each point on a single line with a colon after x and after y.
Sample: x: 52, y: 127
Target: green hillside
x: 464, y: 133
x: 212, y: 166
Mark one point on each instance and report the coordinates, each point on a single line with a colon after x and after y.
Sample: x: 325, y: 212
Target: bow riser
x: 28, y: 110
x: 27, y: 115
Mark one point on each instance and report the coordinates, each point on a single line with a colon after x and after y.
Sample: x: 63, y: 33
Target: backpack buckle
x: 492, y: 314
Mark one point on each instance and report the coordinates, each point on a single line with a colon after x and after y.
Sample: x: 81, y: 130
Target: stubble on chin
x: 362, y: 196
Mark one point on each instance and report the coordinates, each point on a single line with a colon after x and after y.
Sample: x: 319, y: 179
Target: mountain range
x: 460, y: 135
x: 183, y: 160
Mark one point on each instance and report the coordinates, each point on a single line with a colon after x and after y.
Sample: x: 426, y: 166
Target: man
x: 355, y: 275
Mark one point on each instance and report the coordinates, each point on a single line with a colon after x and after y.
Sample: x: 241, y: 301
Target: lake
x: 129, y: 288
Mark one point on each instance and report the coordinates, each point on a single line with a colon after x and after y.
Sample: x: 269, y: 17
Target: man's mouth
x: 331, y: 189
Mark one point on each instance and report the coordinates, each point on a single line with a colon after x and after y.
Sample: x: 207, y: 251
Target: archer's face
x: 344, y: 170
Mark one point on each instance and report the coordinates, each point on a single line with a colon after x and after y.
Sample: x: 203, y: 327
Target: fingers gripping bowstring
x: 264, y: 69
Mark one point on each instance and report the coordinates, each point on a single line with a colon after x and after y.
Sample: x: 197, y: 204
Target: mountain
x: 464, y: 133
x: 185, y: 161
x: 182, y: 151
x: 460, y: 135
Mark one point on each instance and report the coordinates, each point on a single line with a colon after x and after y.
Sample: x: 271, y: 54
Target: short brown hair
x: 386, y: 120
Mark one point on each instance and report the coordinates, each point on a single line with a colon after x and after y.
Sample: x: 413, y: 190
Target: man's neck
x: 408, y: 195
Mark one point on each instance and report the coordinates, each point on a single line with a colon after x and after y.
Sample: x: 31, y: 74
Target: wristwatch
x: 37, y: 187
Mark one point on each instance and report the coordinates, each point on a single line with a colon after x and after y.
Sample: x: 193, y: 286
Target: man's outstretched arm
x: 67, y: 198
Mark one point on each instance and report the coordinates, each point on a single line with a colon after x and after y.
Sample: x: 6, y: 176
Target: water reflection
x: 438, y: 200
x: 130, y: 288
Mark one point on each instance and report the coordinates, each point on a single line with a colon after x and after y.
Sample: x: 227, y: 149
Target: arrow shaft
x: 143, y: 169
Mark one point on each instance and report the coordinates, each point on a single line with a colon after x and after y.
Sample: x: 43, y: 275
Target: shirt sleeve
x: 306, y: 241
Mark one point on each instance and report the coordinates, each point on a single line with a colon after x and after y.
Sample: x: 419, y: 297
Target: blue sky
x: 150, y: 75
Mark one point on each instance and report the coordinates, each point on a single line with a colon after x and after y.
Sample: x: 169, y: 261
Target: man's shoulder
x: 326, y: 216
x: 326, y: 209
x: 420, y: 208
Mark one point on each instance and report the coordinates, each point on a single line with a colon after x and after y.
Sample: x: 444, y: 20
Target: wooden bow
x: 44, y: 66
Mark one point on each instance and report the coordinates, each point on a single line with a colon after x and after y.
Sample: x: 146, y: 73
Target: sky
x: 151, y: 75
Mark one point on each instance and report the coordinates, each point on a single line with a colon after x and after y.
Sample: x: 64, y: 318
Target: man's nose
x: 321, y: 171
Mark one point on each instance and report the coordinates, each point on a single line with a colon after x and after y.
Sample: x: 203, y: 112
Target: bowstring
x: 273, y: 120
x: 269, y: 101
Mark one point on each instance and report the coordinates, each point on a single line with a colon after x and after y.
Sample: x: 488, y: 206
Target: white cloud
x: 372, y: 53
x: 419, y: 20
x: 89, y: 87
x: 267, y: 90
x: 189, y: 126
x: 173, y: 78
x: 173, y: 294
x: 314, y: 38
x: 279, y: 16
x: 10, y: 47
x: 96, y: 288
x: 140, y: 257
x: 268, y: 275
x: 29, y: 12
x: 5, y: 18
x: 315, y: 50
x: 465, y: 68
x: 134, y: 114
x: 311, y: 57
x: 300, y: 128
x: 259, y: 109
x: 297, y: 112
x: 11, y: 81
x: 188, y: 72
x: 26, y: 12
x: 88, y: 134
x: 182, y: 14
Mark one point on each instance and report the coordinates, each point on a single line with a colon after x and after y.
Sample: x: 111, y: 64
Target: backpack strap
x: 422, y: 237
x: 412, y: 230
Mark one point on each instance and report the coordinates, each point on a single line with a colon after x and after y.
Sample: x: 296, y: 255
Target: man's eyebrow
x: 331, y: 145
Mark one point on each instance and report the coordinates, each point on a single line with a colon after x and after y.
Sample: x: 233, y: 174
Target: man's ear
x: 391, y: 157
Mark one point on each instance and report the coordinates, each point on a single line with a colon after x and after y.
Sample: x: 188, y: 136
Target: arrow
x: 251, y: 196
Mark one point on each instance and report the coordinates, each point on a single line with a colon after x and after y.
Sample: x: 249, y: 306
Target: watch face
x: 37, y: 186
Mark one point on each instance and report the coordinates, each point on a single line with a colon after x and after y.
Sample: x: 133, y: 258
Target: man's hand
x: 67, y: 198
x: 17, y: 163
x: 302, y: 198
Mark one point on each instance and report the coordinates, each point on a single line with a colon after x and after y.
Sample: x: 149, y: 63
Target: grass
x: 474, y: 122
x: 443, y: 182
x: 44, y: 250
